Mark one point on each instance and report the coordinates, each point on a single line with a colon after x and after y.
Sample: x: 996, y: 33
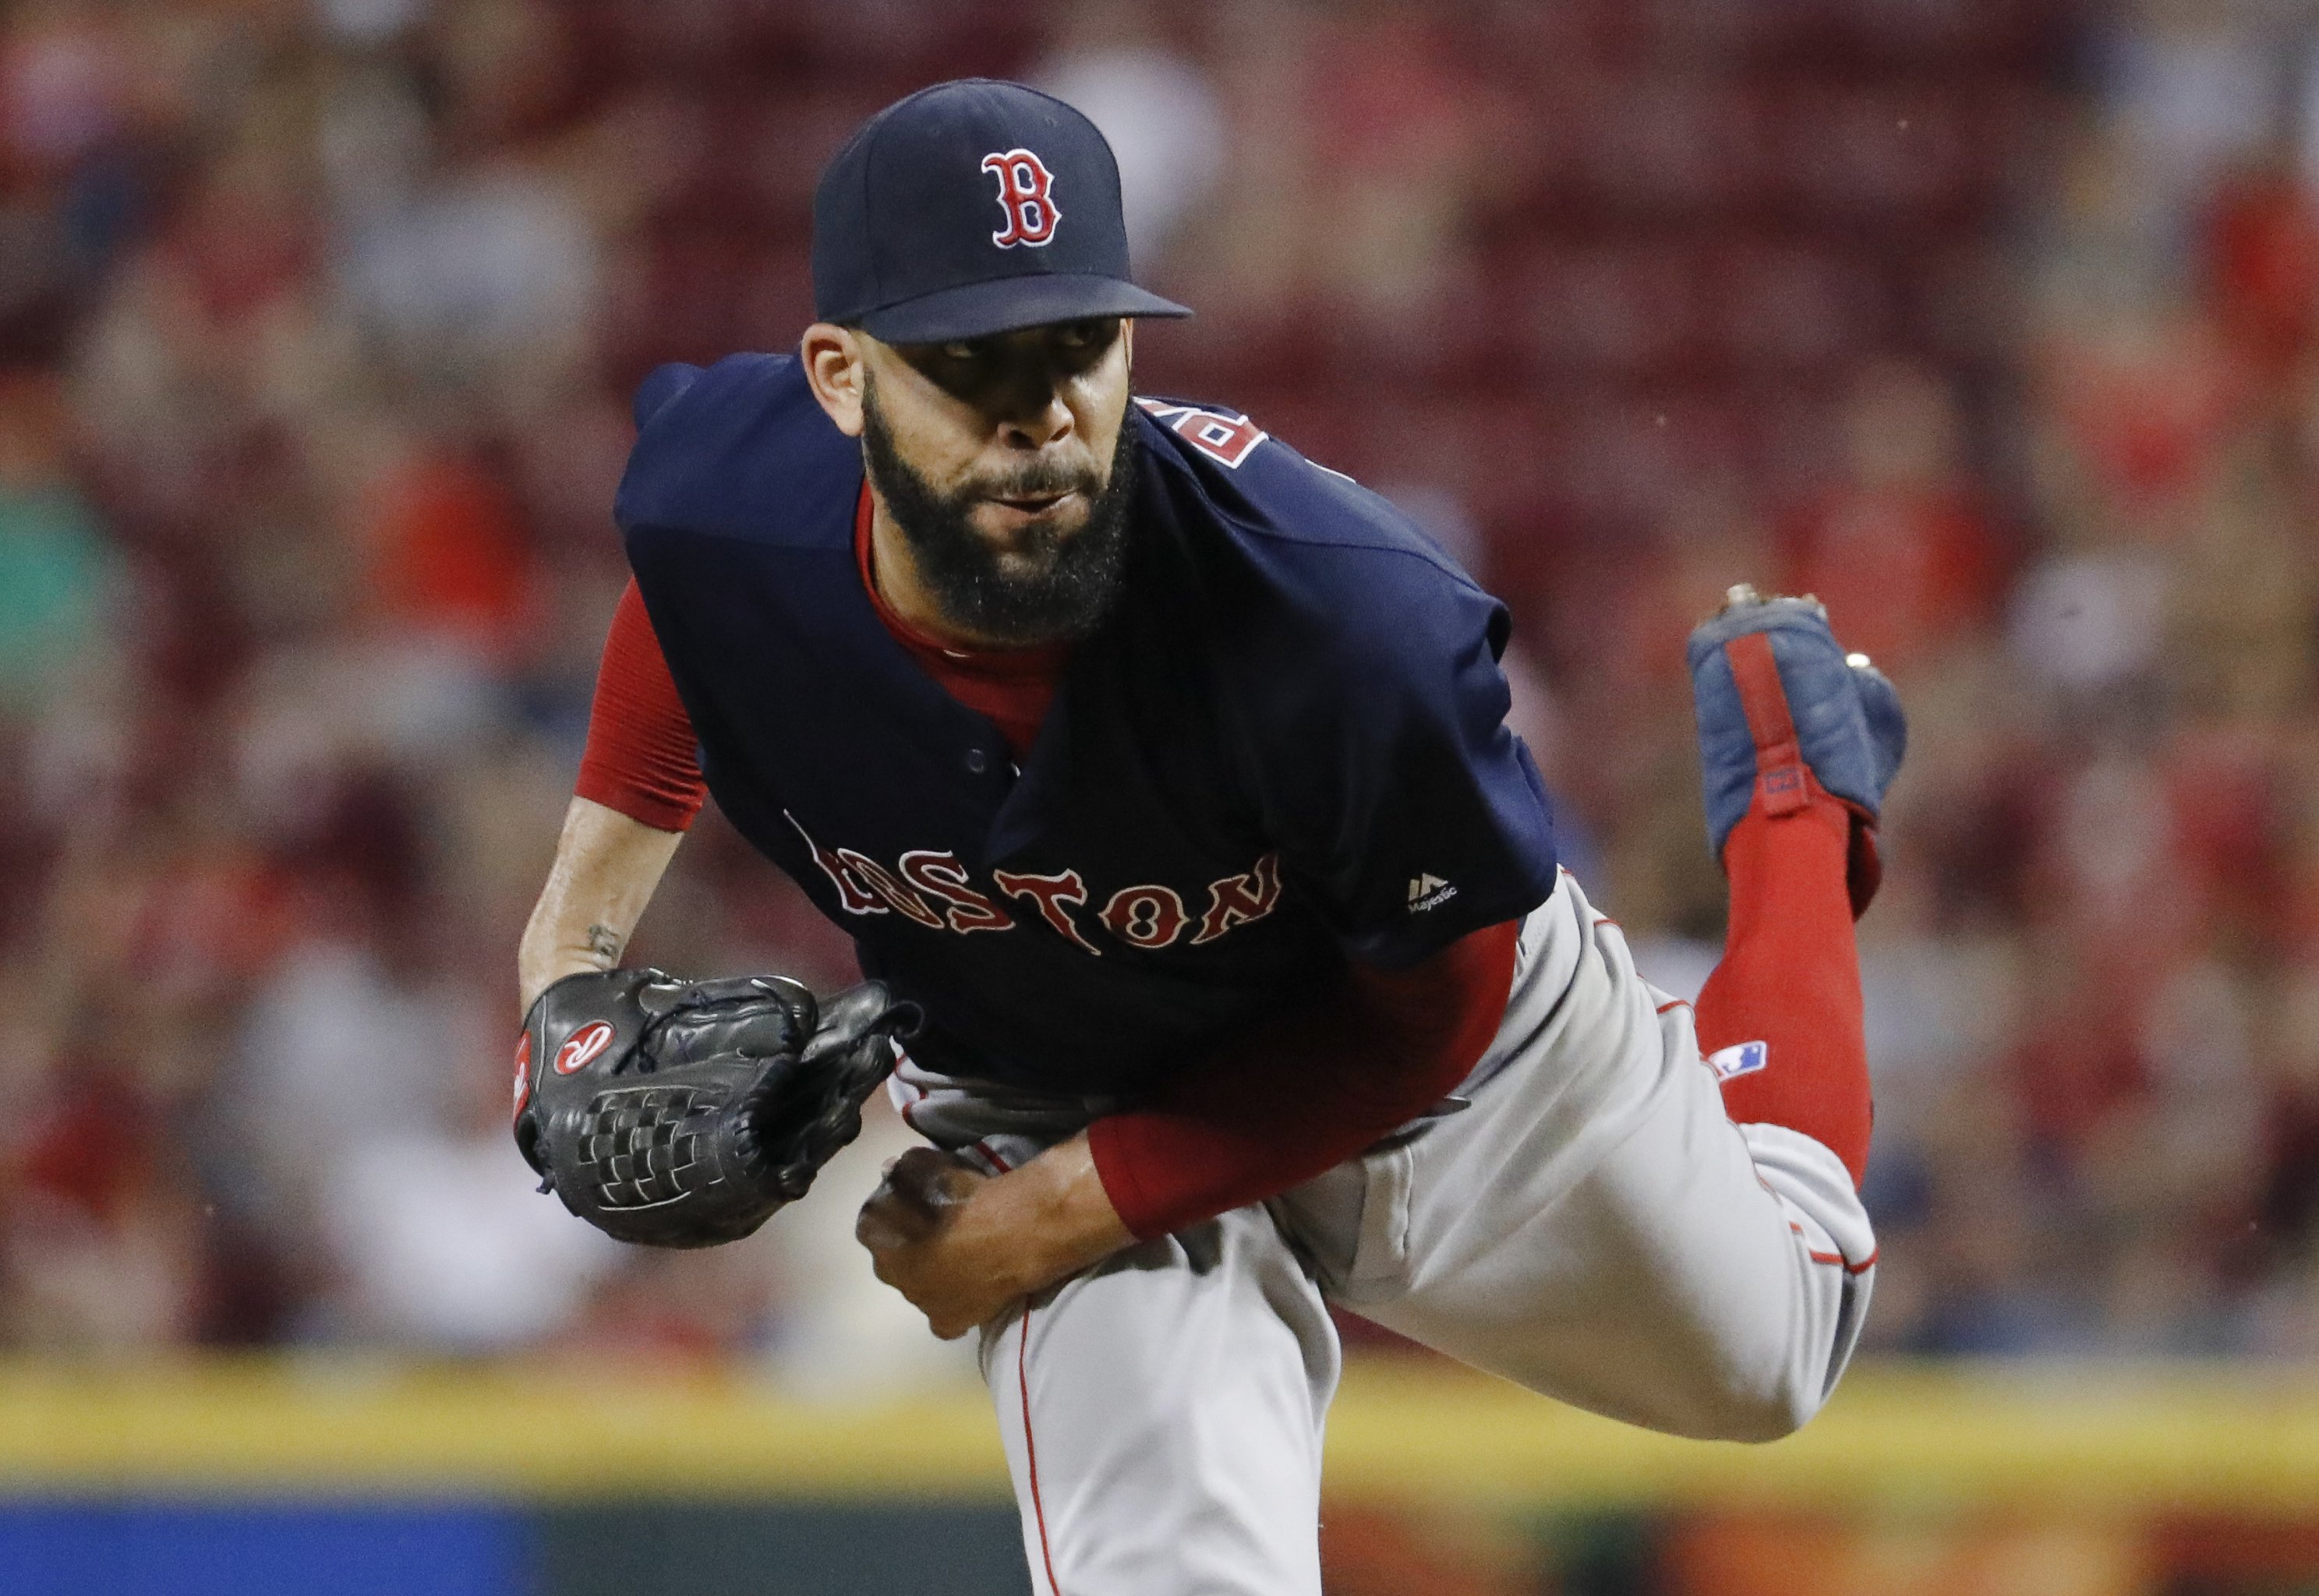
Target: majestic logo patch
x: 522, y: 1072
x: 1025, y: 186
x: 1429, y: 892
x: 1744, y: 1057
x: 582, y: 1048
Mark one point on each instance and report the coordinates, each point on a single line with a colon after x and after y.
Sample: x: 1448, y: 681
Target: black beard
x: 1078, y: 575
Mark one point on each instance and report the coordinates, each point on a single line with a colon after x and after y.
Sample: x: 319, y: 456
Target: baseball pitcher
x: 1215, y: 936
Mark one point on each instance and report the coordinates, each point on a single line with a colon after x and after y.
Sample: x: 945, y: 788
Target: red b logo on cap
x: 1023, y: 184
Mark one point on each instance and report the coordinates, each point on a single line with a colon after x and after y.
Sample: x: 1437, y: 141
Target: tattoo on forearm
x: 605, y: 943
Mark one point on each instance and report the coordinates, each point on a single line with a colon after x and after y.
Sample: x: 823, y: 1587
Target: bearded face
x: 1028, y: 554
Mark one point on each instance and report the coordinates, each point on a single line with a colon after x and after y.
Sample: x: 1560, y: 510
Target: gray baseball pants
x: 1589, y: 1224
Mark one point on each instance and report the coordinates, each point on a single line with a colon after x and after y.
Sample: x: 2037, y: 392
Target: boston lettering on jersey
x: 934, y: 889
x: 1294, y: 712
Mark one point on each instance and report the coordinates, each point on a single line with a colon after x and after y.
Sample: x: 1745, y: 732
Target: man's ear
x: 1127, y: 338
x: 832, y: 356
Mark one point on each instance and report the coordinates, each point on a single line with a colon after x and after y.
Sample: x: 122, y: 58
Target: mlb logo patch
x: 1741, y: 1059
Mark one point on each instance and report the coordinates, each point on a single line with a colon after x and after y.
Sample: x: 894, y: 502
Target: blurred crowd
x: 1993, y: 322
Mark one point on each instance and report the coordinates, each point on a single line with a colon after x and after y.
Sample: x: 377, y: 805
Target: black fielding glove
x: 683, y: 1113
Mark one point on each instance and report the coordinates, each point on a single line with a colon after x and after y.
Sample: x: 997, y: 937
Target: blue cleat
x: 1781, y: 708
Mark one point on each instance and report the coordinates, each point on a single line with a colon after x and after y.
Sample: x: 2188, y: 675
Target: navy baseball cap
x: 972, y: 208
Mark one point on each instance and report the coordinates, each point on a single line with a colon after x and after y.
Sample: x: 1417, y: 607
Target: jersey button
x: 976, y: 760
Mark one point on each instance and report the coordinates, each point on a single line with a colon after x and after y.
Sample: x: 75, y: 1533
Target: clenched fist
x: 962, y: 1245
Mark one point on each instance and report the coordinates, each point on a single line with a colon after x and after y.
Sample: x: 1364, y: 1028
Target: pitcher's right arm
x: 639, y: 787
x: 606, y: 866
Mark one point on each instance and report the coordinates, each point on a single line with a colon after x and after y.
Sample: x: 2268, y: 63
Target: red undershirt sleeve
x: 1299, y: 1097
x: 642, y: 758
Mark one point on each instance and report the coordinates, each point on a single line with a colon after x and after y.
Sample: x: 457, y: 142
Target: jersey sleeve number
x: 1225, y: 439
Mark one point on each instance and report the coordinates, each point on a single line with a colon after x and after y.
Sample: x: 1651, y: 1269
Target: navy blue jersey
x: 1284, y: 748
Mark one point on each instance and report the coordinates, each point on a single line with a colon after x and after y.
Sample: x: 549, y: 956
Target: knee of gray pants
x: 1705, y: 1400
x: 1739, y: 1410
x: 1770, y: 1390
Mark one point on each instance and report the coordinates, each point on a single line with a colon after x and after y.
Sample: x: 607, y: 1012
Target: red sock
x: 1791, y: 977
